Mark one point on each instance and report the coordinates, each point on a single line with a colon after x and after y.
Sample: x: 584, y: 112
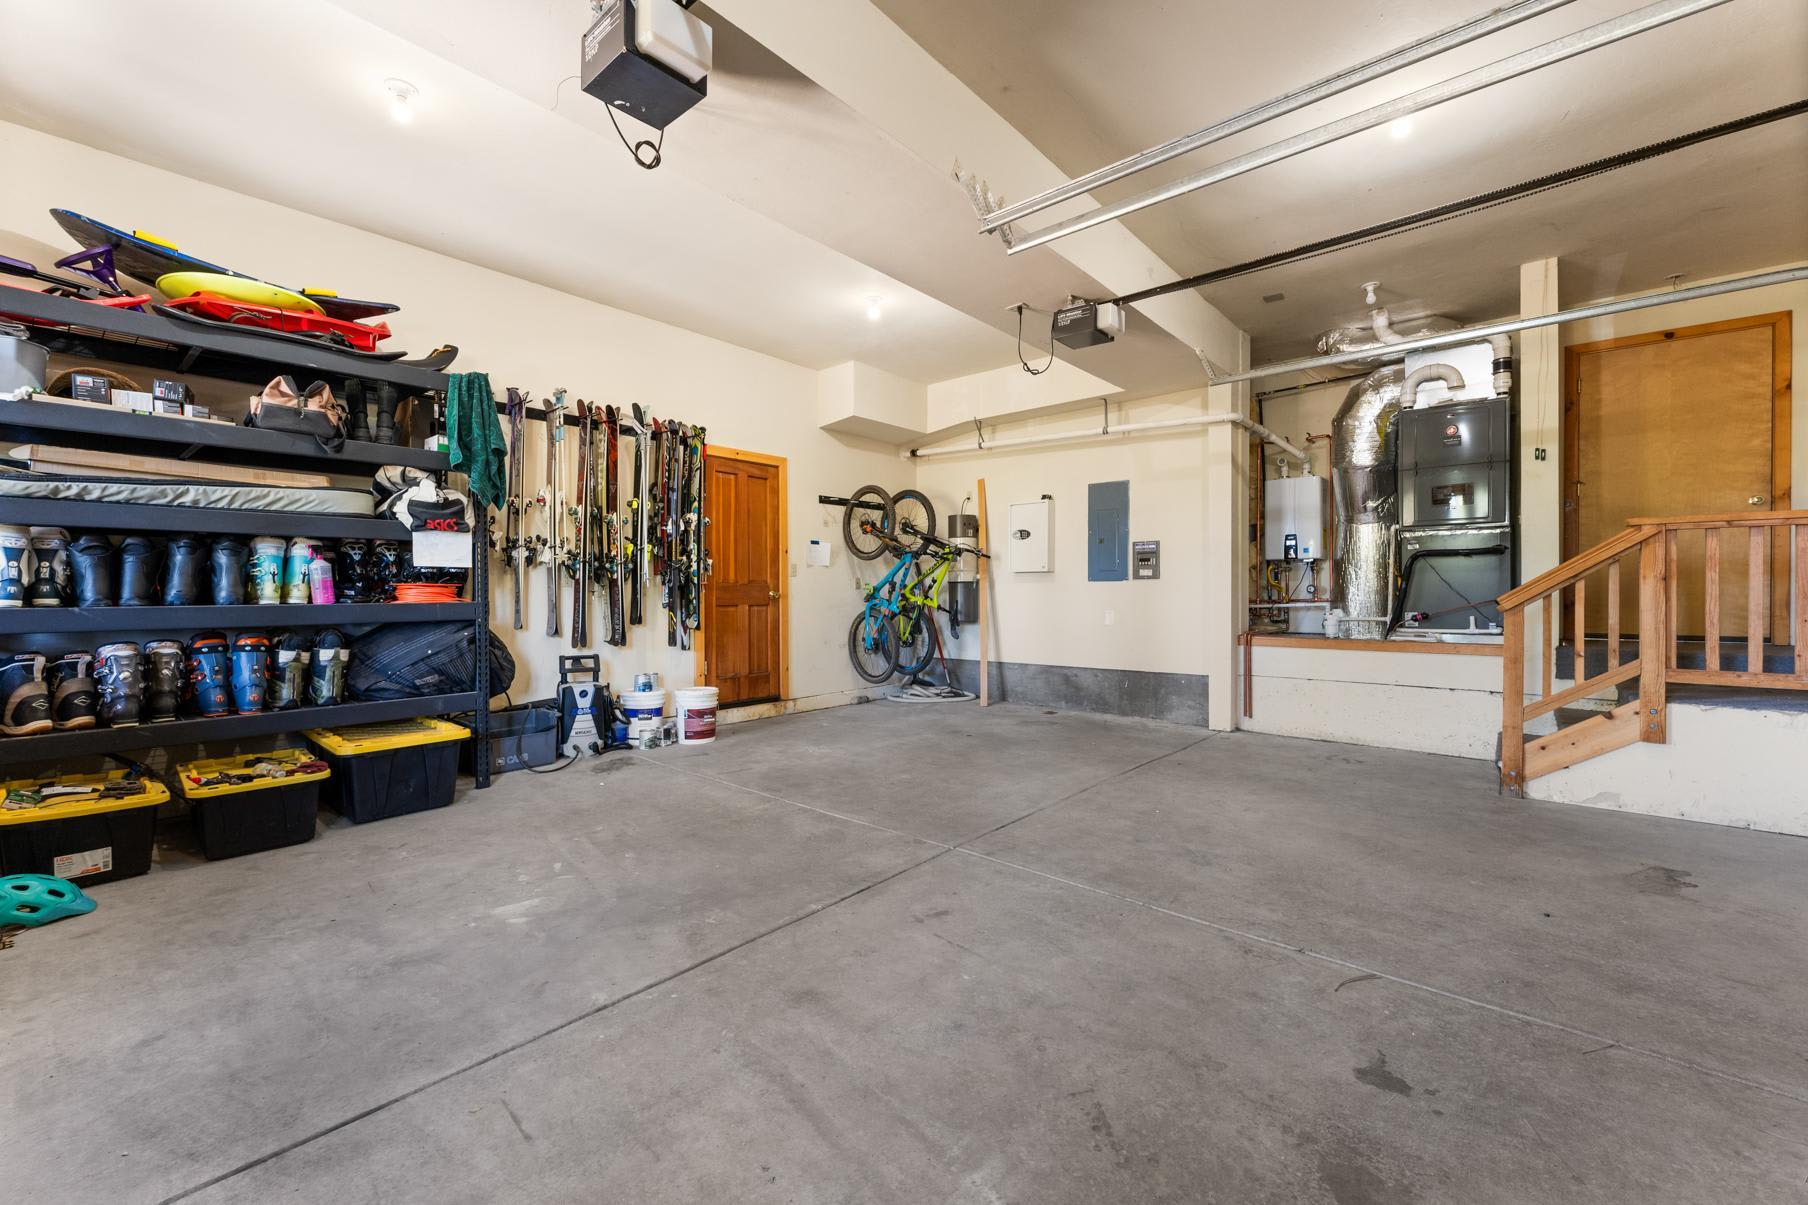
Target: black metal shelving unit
x: 105, y: 334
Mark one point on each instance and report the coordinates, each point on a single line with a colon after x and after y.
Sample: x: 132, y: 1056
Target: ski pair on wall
x: 616, y: 543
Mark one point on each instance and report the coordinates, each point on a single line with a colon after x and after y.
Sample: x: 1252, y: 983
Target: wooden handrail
x: 1655, y: 663
x: 1742, y: 518
x: 1552, y: 579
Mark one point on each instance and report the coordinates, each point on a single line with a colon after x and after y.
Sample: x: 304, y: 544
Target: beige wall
x: 1060, y: 618
x: 520, y: 334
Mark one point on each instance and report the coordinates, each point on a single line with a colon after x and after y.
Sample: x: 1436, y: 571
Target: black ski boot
x: 185, y: 572
x: 326, y: 681
x: 357, y: 413
x: 228, y: 558
x: 385, y: 432
x: 288, y: 672
x: 386, y: 569
x: 95, y: 567
x: 165, y: 663
x: 24, y: 699
x: 209, y: 676
x: 139, y: 557
x: 352, y: 572
x: 119, y: 671
x: 50, y: 575
x: 73, y: 697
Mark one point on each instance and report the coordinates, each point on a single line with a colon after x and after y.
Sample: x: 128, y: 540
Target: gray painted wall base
x: 1175, y: 698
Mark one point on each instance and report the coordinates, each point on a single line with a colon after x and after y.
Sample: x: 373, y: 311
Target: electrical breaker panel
x: 1293, y: 519
x: 1029, y: 534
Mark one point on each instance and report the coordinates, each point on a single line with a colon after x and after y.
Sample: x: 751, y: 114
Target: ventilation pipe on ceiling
x: 1110, y: 432
x: 1447, y: 374
x: 1365, y: 494
x: 1503, y: 363
x: 1383, y: 325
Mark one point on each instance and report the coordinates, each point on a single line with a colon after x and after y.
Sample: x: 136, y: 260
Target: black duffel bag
x: 408, y: 660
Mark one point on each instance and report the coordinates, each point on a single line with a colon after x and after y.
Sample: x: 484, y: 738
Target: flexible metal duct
x: 1364, y: 484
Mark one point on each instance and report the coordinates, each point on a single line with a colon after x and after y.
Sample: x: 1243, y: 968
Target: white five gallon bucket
x: 644, y: 709
x: 696, y: 715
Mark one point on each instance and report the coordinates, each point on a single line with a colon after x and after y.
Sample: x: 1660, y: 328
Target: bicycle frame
x: 899, y: 596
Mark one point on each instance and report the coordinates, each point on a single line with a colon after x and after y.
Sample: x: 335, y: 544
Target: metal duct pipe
x: 1448, y: 374
x: 1470, y: 334
x: 1503, y: 17
x: 1104, y: 432
x: 1640, y: 20
x: 1382, y: 323
x: 1366, y: 495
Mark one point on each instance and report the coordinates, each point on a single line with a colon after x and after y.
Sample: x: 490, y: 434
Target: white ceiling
x: 482, y: 174
x: 779, y: 211
x: 1090, y: 83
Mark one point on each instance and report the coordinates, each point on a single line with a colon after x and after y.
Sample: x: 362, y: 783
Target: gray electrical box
x: 1108, y: 531
x: 1145, y: 561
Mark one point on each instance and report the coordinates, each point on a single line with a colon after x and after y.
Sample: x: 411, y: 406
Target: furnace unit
x: 1458, y: 517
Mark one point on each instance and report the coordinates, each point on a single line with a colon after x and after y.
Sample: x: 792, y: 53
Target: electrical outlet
x: 1110, y: 618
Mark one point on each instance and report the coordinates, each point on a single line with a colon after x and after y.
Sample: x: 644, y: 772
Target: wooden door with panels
x: 1689, y: 421
x: 745, y: 603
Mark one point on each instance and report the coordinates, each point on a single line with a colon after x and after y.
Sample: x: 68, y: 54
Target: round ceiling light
x: 401, y: 99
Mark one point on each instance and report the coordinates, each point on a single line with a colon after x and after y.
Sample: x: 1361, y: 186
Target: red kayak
x: 359, y: 336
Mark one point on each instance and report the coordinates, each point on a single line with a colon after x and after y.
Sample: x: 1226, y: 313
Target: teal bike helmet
x: 38, y: 899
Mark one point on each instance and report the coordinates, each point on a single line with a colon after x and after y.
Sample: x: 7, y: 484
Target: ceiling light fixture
x: 1401, y: 129
x: 874, y: 310
x: 401, y: 99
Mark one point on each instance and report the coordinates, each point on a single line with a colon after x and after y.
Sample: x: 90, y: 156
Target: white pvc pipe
x: 1107, y: 432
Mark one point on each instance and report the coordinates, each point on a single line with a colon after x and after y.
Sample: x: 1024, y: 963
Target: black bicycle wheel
x: 912, y: 507
x: 862, y: 545
x: 873, y: 648
x: 917, y: 653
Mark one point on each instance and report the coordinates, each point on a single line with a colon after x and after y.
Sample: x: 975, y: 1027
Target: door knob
x: 1756, y: 499
x: 773, y: 593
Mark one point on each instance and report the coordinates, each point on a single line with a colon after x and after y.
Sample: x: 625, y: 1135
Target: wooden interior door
x: 1681, y: 422
x: 744, y: 597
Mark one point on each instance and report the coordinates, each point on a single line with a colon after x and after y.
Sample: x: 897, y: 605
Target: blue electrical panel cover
x: 1108, y: 531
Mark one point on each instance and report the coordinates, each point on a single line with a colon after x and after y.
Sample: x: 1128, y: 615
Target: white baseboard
x: 835, y: 698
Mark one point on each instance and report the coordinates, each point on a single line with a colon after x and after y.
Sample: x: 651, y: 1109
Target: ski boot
x: 386, y: 569
x: 326, y: 683
x: 24, y: 699
x: 185, y: 572
x: 301, y: 554
x: 208, y: 675
x: 265, y: 574
x: 357, y: 414
x: 288, y: 687
x: 164, y: 662
x: 94, y: 566
x: 50, y: 572
x: 353, y: 574
x: 74, y: 699
x: 385, y: 431
x: 119, y: 671
x: 15, y: 545
x: 138, y: 558
x: 228, y: 560
x: 250, y: 671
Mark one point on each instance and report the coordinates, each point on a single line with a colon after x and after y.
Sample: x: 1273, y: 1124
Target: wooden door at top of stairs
x: 743, y: 599
x: 1694, y: 420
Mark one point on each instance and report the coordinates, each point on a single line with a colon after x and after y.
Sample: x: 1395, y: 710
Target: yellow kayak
x: 234, y: 288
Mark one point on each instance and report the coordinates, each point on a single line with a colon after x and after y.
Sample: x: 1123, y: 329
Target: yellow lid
x: 187, y: 772
x: 381, y: 738
x: 150, y: 794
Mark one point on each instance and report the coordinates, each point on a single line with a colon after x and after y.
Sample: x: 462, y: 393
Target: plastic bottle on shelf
x: 266, y: 570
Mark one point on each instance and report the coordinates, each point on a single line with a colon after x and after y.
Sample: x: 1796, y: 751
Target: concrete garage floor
x: 934, y: 954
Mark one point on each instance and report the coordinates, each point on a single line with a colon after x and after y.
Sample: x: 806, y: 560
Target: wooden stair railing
x: 1655, y: 661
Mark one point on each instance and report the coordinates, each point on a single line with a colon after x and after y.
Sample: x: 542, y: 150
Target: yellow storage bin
x: 385, y: 770
x: 233, y: 818
x: 88, y: 840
